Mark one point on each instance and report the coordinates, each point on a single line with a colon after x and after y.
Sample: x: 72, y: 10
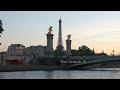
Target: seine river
x: 108, y: 73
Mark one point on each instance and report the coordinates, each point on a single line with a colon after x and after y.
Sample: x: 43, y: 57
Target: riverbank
x: 33, y: 67
x: 11, y: 68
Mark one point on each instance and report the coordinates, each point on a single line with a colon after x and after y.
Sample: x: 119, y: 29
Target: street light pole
x: 113, y: 52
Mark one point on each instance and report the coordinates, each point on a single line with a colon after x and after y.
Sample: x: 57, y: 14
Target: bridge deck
x: 95, y: 61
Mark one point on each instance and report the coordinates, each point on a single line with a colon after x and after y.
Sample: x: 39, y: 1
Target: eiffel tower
x: 60, y: 43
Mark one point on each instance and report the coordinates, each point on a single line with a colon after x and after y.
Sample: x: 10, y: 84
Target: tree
x: 74, y: 52
x: 85, y: 51
x: 101, y: 54
x: 1, y: 28
x: 59, y: 53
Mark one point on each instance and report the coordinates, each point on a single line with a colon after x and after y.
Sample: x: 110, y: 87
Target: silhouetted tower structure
x: 60, y: 43
x: 68, y: 49
x: 49, y: 49
x: 68, y: 45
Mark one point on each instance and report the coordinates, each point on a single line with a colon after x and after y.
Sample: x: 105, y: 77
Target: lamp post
x: 113, y: 52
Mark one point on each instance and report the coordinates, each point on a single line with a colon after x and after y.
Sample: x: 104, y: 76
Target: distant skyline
x: 98, y: 29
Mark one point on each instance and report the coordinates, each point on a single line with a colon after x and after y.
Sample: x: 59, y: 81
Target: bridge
x: 79, y: 62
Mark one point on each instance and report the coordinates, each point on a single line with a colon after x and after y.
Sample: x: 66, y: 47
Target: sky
x: 98, y: 29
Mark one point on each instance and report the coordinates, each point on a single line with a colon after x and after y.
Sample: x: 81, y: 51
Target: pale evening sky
x: 98, y: 29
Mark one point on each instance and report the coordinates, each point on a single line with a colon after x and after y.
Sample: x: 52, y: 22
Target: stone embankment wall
x: 5, y: 68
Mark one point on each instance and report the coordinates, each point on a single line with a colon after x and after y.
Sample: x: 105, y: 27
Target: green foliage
x: 59, y: 53
x: 1, y: 28
x: 74, y: 52
x: 85, y: 51
x: 101, y: 54
x: 82, y: 51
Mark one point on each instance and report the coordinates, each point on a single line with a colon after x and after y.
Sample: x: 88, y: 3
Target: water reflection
x: 62, y: 74
x: 1, y: 75
x: 49, y: 74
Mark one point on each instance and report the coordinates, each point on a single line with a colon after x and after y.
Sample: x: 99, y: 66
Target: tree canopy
x: 85, y: 51
x: 58, y: 52
x: 1, y: 28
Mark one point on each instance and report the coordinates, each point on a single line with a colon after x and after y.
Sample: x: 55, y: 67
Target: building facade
x: 36, y: 51
x: 16, y: 49
x: 13, y: 60
x: 14, y: 55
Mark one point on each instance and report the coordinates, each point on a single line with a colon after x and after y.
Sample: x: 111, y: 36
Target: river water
x: 107, y: 73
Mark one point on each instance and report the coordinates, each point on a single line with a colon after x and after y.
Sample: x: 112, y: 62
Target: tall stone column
x: 68, y: 45
x: 50, y: 42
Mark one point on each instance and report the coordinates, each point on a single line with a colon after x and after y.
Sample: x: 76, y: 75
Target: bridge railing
x: 95, y: 61
x: 88, y: 59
